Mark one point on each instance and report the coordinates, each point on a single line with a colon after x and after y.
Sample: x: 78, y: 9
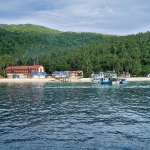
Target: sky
x: 117, y: 17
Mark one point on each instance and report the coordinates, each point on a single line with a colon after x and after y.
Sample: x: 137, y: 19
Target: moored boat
x: 123, y: 81
x: 108, y: 78
x: 96, y: 80
x: 97, y: 77
x: 110, y: 81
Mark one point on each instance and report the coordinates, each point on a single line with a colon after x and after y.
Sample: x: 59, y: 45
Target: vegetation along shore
x: 32, y: 45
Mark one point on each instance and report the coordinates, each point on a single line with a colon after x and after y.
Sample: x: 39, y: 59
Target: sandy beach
x: 71, y: 80
x: 138, y: 79
x: 42, y: 80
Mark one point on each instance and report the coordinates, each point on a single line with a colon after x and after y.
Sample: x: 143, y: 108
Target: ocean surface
x: 74, y: 116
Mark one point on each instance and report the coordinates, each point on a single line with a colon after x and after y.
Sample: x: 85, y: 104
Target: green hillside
x: 28, y: 28
x: 32, y: 44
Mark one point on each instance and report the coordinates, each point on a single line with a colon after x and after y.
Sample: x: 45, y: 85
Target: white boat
x: 115, y: 80
x: 110, y: 81
x: 97, y: 78
x: 103, y: 78
x: 123, y: 81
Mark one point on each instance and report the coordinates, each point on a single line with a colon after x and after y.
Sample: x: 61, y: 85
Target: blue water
x: 74, y: 116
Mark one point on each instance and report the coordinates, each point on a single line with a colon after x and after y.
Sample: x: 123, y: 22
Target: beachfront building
x: 124, y: 74
x: 97, y: 75
x: 68, y: 74
x: 103, y: 74
x: 60, y: 74
x: 75, y: 74
x: 37, y: 75
x: 110, y: 74
x: 36, y: 71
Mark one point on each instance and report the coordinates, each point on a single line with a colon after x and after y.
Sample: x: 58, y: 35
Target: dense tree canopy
x: 55, y: 50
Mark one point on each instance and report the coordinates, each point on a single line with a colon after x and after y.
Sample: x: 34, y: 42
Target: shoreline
x: 15, y: 80
x: 138, y: 79
x: 6, y: 80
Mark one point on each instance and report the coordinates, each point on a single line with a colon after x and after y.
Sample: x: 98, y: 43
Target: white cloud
x: 111, y: 17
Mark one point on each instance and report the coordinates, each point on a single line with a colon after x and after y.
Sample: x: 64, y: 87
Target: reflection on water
x: 75, y: 116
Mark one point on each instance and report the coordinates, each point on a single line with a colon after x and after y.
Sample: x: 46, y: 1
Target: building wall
x: 18, y: 71
x: 22, y: 72
x: 41, y: 69
x: 75, y: 74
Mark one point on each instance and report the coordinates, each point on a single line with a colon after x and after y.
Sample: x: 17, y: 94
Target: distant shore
x: 71, y: 80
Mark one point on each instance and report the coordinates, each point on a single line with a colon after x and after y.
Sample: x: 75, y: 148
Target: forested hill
x: 56, y: 50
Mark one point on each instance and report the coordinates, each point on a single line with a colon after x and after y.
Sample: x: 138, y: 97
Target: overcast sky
x: 120, y: 17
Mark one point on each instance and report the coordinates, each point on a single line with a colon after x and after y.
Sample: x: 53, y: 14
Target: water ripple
x: 75, y: 116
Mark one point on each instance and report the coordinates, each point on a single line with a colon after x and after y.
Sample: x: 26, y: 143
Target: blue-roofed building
x: 38, y: 74
x: 60, y: 74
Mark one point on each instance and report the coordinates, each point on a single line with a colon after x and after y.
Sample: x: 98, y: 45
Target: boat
x: 96, y: 80
x: 106, y: 81
x: 97, y: 77
x: 110, y: 81
x: 105, y: 78
x: 123, y: 81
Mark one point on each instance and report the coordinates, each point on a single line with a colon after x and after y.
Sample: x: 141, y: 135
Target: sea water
x: 74, y: 116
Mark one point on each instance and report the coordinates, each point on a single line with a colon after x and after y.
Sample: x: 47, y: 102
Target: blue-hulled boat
x: 123, y: 81
x: 97, y: 78
x: 104, y: 78
x: 110, y: 81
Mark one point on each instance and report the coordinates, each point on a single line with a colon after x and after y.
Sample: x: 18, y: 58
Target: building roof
x: 78, y: 71
x: 59, y: 73
x: 23, y: 67
x: 38, y: 73
x: 112, y: 72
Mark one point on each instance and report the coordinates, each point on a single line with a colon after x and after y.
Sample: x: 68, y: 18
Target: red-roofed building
x: 23, y: 71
